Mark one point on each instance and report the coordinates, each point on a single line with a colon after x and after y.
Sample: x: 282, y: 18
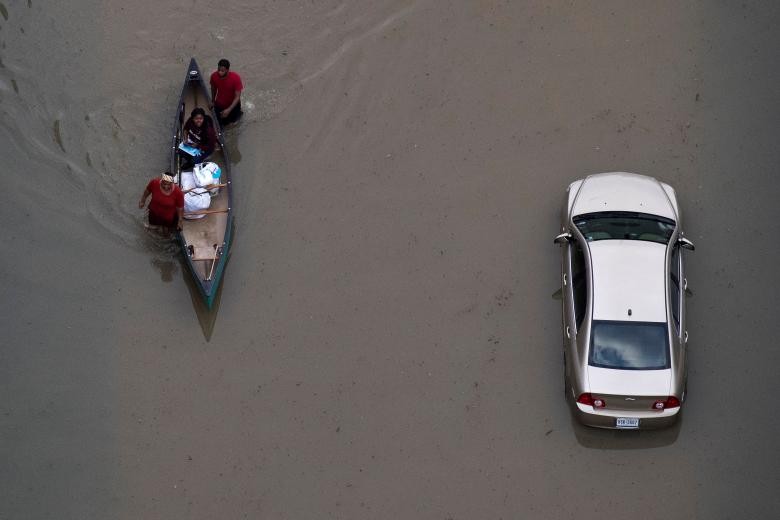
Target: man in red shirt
x: 166, y: 209
x: 226, y: 90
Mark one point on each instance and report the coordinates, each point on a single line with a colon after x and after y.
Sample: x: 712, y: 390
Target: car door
x: 677, y: 312
x: 568, y: 296
x: 683, y: 292
x: 575, y: 278
x: 579, y: 282
x: 676, y: 290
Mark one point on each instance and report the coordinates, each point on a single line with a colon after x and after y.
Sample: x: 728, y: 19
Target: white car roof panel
x: 628, y: 274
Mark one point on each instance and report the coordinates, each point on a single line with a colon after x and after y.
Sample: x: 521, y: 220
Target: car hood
x: 621, y: 191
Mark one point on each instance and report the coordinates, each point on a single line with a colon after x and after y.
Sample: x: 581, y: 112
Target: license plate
x: 627, y: 422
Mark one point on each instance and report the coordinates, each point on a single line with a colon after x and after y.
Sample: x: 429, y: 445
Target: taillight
x: 588, y: 399
x: 670, y: 402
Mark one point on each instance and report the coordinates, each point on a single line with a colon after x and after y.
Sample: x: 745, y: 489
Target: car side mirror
x: 562, y: 238
x: 686, y: 244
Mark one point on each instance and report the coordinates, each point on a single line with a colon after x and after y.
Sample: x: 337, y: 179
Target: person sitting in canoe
x: 198, y: 138
x: 166, y: 208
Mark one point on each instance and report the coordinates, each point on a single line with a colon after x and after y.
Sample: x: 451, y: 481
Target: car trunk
x: 629, y: 389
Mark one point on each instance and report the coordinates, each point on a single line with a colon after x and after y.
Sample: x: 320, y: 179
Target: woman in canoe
x: 166, y: 209
x: 198, y: 137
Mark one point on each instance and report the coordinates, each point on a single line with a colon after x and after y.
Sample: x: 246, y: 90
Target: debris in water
x: 58, y: 135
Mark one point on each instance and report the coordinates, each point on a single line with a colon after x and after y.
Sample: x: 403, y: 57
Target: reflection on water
x: 163, y: 249
x: 207, y: 318
x: 167, y: 258
x: 166, y: 268
x: 601, y: 439
x: 231, y: 143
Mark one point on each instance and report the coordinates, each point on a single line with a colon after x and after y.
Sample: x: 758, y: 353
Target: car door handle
x: 565, y: 279
x: 685, y: 284
x: 686, y: 336
x: 568, y: 332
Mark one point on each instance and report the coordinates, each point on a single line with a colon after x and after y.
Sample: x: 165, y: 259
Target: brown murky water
x: 386, y: 345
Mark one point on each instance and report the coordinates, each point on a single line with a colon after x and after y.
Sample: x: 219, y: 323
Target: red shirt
x: 223, y: 90
x: 162, y: 205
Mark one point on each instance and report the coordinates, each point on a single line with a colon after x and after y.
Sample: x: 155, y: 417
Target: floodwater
x: 386, y: 345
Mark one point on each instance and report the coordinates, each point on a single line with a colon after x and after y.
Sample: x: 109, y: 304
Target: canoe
x: 205, y: 242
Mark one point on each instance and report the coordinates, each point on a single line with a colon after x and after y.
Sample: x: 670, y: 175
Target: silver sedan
x: 623, y: 291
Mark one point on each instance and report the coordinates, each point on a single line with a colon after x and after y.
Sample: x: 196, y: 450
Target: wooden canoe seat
x: 203, y: 253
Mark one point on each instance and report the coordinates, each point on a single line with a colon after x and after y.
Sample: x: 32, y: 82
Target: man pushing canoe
x: 166, y: 207
x: 226, y: 90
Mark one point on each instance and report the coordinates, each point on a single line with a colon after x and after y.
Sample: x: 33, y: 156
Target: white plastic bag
x: 195, y: 200
x: 206, y: 174
x: 187, y: 181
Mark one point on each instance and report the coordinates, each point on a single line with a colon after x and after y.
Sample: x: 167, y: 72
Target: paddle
x: 213, y: 262
x: 209, y: 187
x: 205, y: 212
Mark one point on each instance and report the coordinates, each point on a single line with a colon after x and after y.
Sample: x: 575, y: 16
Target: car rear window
x: 625, y: 225
x: 629, y: 345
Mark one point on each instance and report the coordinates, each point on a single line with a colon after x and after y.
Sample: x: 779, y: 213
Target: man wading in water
x: 166, y: 209
x: 226, y: 90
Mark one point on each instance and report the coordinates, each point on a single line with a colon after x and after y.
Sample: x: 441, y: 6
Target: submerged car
x: 623, y: 291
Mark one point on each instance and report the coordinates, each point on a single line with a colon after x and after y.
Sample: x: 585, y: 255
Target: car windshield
x: 624, y: 225
x: 629, y: 345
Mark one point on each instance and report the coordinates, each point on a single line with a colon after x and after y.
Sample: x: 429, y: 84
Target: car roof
x: 628, y: 274
x: 621, y: 191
